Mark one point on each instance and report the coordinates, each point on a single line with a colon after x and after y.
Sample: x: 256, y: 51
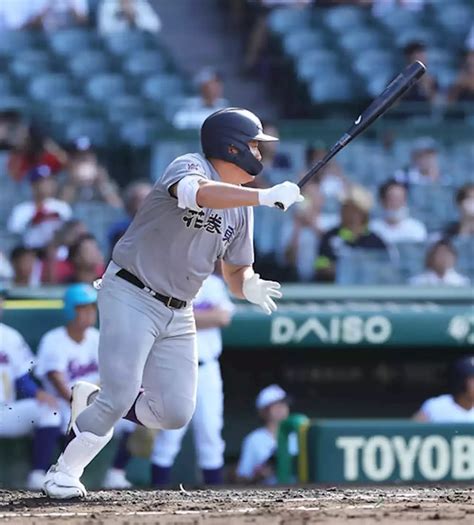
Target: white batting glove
x: 258, y: 291
x: 287, y: 193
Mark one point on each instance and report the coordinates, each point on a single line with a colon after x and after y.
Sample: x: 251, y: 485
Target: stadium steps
x: 218, y: 46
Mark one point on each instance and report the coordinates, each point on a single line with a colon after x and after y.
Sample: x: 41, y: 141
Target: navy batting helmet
x: 233, y: 127
x: 78, y: 294
x: 461, y: 370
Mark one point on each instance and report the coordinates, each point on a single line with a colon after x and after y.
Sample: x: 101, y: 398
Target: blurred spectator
x: 26, y: 267
x: 60, y: 14
x: 465, y: 203
x: 56, y: 265
x: 333, y: 184
x: 463, y: 87
x: 38, y: 219
x: 87, y: 180
x: 396, y: 225
x: 273, y: 161
x: 6, y: 270
x: 135, y: 193
x: 10, y: 128
x: 458, y: 405
x: 301, y: 237
x: 86, y: 262
x: 33, y: 149
x: 426, y: 89
x: 126, y: 15
x: 352, y: 232
x: 424, y: 164
x: 440, y: 267
x: 257, y: 457
x: 19, y: 14
x: 196, y: 109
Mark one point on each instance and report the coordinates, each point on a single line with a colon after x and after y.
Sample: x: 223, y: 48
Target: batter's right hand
x: 286, y: 193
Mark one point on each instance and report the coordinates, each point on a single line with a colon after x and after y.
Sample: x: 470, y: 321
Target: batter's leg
x: 129, y: 326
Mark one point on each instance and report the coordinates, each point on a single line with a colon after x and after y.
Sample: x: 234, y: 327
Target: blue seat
x: 317, y: 61
x: 124, y: 108
x: 68, y: 42
x: 410, y: 258
x: 332, y: 88
x: 13, y: 42
x: 5, y: 85
x: 287, y: 19
x: 88, y: 63
x: 64, y: 109
x: 8, y: 102
x: 29, y: 63
x: 342, y: 18
x: 141, y: 132
x: 457, y: 19
x: 429, y: 36
x: 300, y: 42
x: 366, y: 267
x: 96, y: 129
x: 125, y: 42
x: 159, y: 87
x: 50, y: 85
x: 398, y: 19
x: 375, y: 61
x: 105, y: 86
x: 360, y: 41
x: 144, y: 63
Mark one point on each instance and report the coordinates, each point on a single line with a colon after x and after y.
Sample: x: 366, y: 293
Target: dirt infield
x: 357, y: 506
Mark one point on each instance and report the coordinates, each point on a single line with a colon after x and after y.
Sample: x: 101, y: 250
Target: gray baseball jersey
x: 173, y: 250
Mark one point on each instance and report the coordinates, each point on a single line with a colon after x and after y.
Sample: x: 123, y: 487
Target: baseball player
x: 66, y: 354
x: 458, y: 406
x: 196, y: 214
x: 257, y: 458
x: 212, y: 310
x: 22, y: 403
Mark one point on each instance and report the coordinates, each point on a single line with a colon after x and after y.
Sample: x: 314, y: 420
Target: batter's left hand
x: 258, y: 291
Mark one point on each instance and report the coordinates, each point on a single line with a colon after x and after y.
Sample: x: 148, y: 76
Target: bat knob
x: 280, y: 205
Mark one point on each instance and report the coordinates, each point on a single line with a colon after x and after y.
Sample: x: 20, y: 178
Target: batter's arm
x: 221, y: 195
x: 235, y: 276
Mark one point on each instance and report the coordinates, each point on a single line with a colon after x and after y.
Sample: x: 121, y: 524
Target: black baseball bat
x: 398, y: 87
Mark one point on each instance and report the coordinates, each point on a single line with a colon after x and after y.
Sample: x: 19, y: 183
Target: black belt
x: 132, y: 279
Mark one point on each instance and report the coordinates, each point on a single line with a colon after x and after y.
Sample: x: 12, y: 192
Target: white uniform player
x: 197, y: 213
x: 74, y: 360
x: 257, y: 457
x: 458, y: 406
x: 207, y: 421
x: 18, y: 417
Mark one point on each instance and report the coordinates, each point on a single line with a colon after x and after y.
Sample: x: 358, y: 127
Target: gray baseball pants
x: 144, y: 345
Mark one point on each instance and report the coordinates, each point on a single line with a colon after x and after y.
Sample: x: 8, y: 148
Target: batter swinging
x: 197, y: 213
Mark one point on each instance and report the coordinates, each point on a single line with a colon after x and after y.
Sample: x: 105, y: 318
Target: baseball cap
x: 269, y: 395
x: 39, y: 172
x: 424, y: 144
x: 358, y: 195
